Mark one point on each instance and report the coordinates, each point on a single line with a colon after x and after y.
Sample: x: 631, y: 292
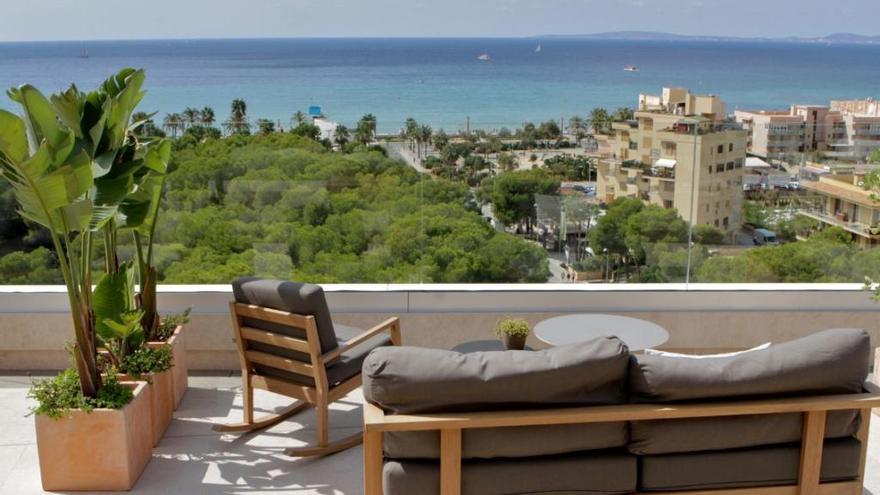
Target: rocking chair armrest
x: 392, y: 325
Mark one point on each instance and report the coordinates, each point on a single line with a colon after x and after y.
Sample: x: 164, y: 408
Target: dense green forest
x: 282, y: 205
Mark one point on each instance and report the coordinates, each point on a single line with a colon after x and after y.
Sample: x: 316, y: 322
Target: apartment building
x: 868, y: 107
x: 835, y: 131
x: 676, y: 153
x: 841, y: 201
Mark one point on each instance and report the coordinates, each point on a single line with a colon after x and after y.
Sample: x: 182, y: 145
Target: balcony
x: 193, y: 459
x: 841, y: 220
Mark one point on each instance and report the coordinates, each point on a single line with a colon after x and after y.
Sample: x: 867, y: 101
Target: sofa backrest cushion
x: 419, y: 380
x: 828, y: 362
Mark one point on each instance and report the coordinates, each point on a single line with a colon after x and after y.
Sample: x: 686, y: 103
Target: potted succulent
x: 513, y: 333
x: 72, y: 162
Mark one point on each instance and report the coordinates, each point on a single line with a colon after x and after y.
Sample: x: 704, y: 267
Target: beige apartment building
x: 868, y: 107
x: 842, y: 202
x: 677, y: 153
x: 836, y: 131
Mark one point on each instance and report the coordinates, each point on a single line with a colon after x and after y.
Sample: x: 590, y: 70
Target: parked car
x: 764, y: 237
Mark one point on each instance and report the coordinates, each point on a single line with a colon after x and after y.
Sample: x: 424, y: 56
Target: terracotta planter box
x: 161, y: 394
x: 106, y: 449
x: 180, y: 370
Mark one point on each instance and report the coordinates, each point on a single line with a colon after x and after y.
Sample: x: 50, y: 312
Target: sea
x: 443, y: 82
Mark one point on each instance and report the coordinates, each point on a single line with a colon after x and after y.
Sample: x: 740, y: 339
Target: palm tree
x: 623, y: 113
x: 577, y: 127
x: 299, y: 118
x: 265, y: 126
x: 172, y: 123
x: 599, y: 119
x: 411, y: 128
x: 426, y: 134
x: 238, y: 117
x: 208, y: 116
x: 342, y: 135
x: 366, y: 129
x: 191, y: 116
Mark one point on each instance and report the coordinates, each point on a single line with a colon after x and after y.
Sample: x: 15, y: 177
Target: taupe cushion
x: 762, y: 466
x: 414, y: 380
x: 488, y: 443
x: 604, y: 473
x: 293, y: 297
x: 829, y: 362
x: 732, y: 432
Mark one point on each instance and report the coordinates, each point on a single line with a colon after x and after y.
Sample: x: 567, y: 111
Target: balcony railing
x: 842, y: 220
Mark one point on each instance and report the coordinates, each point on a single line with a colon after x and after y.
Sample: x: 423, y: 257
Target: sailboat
x: 484, y: 57
x: 84, y: 54
x: 538, y: 48
x: 631, y: 68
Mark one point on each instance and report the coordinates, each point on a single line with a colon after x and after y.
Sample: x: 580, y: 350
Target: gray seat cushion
x: 526, y: 441
x: 414, y: 380
x: 348, y: 365
x: 605, y: 473
x: 732, y: 432
x: 829, y: 362
x: 293, y: 297
x: 761, y: 466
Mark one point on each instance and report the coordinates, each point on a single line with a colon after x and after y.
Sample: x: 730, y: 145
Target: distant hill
x: 842, y: 38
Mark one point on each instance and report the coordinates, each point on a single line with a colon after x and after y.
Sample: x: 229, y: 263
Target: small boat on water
x: 631, y: 68
x: 484, y: 57
x: 538, y: 49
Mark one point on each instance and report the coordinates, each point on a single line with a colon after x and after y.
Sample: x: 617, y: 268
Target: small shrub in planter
x: 153, y: 365
x: 513, y: 333
x: 171, y: 332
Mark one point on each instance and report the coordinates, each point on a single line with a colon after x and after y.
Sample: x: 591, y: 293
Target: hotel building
x: 677, y: 153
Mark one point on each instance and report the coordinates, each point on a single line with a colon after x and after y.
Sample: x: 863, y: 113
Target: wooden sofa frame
x: 814, y: 409
x: 320, y: 396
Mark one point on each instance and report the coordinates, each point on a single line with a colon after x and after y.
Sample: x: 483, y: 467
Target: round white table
x: 637, y: 334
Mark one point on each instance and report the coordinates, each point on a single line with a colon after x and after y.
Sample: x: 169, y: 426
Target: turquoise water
x: 441, y: 82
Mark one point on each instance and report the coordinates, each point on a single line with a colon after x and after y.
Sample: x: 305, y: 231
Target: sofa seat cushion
x: 418, y: 380
x: 760, y: 466
x: 604, y: 473
x: 731, y: 432
x: 520, y: 441
x: 829, y: 362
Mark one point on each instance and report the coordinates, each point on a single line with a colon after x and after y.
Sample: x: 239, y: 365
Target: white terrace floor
x: 192, y: 459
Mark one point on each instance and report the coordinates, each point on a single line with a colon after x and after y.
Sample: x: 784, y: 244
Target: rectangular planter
x: 161, y: 401
x: 103, y: 450
x: 180, y: 370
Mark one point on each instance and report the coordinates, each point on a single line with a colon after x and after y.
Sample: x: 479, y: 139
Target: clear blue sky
x: 29, y: 20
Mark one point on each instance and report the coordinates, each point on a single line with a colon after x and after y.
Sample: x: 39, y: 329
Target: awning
x: 665, y: 163
x: 755, y: 162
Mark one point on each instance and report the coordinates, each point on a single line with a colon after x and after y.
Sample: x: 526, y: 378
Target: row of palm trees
x: 417, y: 135
x: 176, y: 123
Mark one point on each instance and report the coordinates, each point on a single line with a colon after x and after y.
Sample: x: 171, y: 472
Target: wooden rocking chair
x: 287, y: 345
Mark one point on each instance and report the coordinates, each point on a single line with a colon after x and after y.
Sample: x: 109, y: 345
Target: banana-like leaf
x: 158, y: 155
x: 139, y: 209
x: 69, y: 107
x: 40, y: 117
x: 113, y: 296
x: 112, y: 190
x: 13, y: 137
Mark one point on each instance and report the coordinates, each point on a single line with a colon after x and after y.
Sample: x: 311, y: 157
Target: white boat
x: 631, y: 68
x: 484, y: 56
x: 538, y: 49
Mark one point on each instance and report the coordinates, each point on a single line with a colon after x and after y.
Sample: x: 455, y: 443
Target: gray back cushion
x: 417, y: 380
x: 828, y: 362
x: 293, y: 297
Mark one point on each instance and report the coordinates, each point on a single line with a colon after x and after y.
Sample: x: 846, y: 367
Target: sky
x: 38, y: 20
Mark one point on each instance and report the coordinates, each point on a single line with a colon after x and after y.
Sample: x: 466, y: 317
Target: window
x: 719, y: 167
x: 720, y: 149
x: 730, y: 148
x: 730, y: 166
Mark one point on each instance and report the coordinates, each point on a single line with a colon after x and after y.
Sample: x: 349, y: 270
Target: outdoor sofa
x: 591, y: 418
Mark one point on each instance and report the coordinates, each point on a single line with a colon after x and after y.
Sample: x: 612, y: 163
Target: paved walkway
x: 192, y: 459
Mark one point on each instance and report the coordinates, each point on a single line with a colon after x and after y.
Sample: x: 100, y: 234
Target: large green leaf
x: 69, y: 107
x: 13, y: 137
x: 40, y: 116
x: 113, y: 296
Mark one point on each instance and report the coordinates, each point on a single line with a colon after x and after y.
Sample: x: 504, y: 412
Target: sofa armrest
x: 391, y: 325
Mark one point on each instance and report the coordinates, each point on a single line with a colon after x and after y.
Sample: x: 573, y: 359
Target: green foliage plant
x: 59, y: 395
x: 147, y: 360
x: 513, y: 327
x: 71, y: 161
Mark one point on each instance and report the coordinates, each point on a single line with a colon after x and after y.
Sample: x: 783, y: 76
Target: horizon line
x: 597, y: 35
